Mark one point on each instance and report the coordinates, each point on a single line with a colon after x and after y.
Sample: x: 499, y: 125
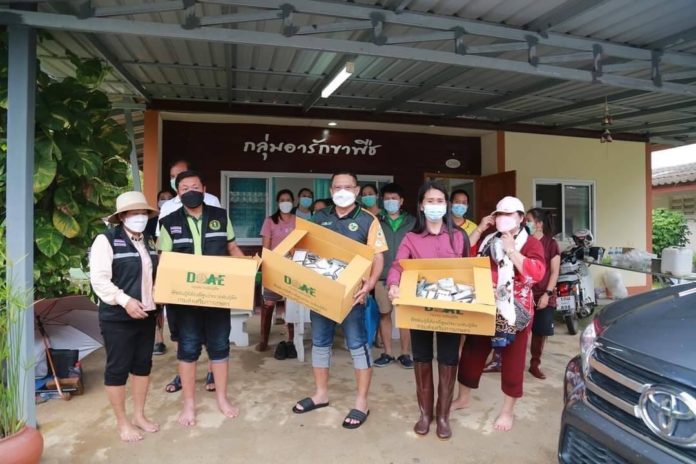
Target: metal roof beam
x: 634, y: 114
x: 650, y: 126
x: 567, y: 58
x: 562, y: 13
x: 226, y: 35
x: 138, y: 8
x: 418, y: 38
x: 667, y: 141
x: 474, y: 27
x: 688, y: 132
x: 334, y: 27
x: 497, y: 47
x: 236, y: 18
x: 627, y: 66
x: 679, y: 75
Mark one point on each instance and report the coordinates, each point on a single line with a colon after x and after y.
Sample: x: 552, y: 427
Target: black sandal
x: 209, y: 381
x: 356, y: 415
x: 307, y: 405
x: 173, y: 386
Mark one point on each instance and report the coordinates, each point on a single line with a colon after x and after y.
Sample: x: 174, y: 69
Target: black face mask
x: 192, y: 199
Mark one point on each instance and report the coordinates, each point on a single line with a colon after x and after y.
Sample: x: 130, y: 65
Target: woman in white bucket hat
x: 122, y: 263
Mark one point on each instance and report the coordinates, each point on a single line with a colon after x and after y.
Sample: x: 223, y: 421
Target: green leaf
x: 66, y: 224
x: 48, y: 240
x: 64, y: 201
x: 91, y: 73
x: 45, y: 166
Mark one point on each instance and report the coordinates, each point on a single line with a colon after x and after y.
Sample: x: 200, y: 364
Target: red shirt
x: 550, y: 251
x: 428, y: 246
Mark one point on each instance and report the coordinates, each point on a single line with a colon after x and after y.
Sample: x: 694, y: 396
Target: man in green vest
x: 200, y: 229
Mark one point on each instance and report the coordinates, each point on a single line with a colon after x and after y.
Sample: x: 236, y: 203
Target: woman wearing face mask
x: 368, y: 199
x: 460, y: 205
x: 122, y: 266
x: 274, y: 230
x: 434, y: 236
x: 517, y: 262
x: 305, y: 198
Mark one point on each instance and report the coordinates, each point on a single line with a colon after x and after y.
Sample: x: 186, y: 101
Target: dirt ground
x: 83, y: 430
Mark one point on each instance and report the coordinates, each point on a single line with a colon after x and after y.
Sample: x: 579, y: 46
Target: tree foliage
x: 80, y: 168
x: 669, y: 229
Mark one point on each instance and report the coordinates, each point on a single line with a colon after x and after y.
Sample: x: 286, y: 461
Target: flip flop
x: 357, y: 415
x: 173, y: 386
x: 307, y: 405
x: 209, y: 380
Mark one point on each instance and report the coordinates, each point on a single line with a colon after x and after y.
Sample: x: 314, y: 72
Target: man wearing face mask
x: 350, y: 220
x: 200, y: 229
x: 174, y: 204
x: 396, y: 223
x: 122, y: 265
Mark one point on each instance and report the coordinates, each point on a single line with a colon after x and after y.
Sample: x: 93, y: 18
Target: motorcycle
x: 575, y: 293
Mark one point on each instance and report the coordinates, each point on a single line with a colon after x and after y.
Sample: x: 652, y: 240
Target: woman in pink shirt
x: 274, y: 230
x: 434, y: 236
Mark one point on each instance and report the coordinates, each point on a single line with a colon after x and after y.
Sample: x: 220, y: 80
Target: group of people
x: 524, y: 267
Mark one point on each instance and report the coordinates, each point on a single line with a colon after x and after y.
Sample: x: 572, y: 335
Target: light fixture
x: 607, y: 121
x: 333, y: 123
x: 340, y: 77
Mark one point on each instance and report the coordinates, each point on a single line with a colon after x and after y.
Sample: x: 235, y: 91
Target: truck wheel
x: 572, y: 324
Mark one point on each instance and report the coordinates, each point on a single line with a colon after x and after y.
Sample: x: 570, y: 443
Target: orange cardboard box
x: 211, y: 281
x: 413, y: 312
x: 330, y: 298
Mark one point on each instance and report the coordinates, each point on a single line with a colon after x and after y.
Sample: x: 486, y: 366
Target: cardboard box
x: 413, y: 312
x: 211, y: 281
x: 330, y: 298
x: 73, y: 385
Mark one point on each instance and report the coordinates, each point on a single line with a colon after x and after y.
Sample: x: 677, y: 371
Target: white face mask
x: 434, y: 213
x: 505, y: 223
x: 285, y: 206
x: 343, y: 198
x: 160, y: 203
x: 136, y: 223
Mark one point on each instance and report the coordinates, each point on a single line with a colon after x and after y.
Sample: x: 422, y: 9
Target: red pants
x: 513, y: 359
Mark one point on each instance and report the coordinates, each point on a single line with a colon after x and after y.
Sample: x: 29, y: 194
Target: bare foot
x: 227, y: 409
x: 129, y: 433
x: 503, y: 423
x: 187, y: 418
x: 460, y: 403
x: 145, y: 424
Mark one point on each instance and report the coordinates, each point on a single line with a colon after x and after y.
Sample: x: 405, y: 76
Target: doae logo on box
x: 208, y: 279
x: 311, y: 291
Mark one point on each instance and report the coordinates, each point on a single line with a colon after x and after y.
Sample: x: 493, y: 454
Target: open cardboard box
x: 211, y: 281
x: 330, y: 298
x: 414, y: 312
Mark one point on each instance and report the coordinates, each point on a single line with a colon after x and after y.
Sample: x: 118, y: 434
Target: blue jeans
x: 203, y: 326
x: 323, y: 330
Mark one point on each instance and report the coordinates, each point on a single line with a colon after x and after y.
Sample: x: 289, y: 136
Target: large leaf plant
x: 80, y: 168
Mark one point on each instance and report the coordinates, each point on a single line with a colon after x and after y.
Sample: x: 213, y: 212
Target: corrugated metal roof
x: 674, y: 174
x: 274, y: 75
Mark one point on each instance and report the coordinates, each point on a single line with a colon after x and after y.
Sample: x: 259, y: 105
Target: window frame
x: 570, y: 182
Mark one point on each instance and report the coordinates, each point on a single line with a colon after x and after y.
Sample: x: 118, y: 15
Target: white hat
x: 509, y: 205
x: 129, y: 201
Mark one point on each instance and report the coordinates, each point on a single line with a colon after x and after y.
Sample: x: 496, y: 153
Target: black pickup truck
x: 630, y: 396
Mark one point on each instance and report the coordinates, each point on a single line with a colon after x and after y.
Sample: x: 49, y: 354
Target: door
x: 491, y: 189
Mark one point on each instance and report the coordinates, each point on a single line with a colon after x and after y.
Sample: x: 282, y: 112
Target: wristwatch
x: 549, y: 292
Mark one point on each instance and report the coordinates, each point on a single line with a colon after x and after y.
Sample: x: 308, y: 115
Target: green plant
x: 669, y: 229
x: 80, y: 168
x: 12, y: 304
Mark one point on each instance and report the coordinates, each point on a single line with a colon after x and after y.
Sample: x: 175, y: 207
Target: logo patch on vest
x: 119, y: 242
x: 214, y: 225
x: 353, y: 226
x: 175, y: 229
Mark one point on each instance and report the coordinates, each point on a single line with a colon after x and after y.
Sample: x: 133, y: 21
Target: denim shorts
x: 203, y: 326
x: 353, y: 327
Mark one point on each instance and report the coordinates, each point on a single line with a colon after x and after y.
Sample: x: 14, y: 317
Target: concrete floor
x: 83, y: 430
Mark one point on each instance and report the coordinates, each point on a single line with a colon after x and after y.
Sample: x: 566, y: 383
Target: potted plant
x: 19, y: 442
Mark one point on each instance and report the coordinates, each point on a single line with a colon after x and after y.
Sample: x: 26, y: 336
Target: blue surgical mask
x: 369, y: 200
x: 434, y: 213
x: 531, y: 227
x: 172, y: 182
x: 459, y: 210
x: 306, y: 202
x: 392, y: 206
